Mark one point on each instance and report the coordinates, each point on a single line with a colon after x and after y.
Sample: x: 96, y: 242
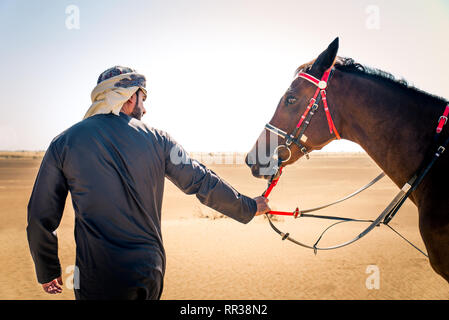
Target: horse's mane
x: 349, y: 65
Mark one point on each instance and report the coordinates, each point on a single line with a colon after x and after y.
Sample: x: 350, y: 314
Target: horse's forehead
x: 293, y: 86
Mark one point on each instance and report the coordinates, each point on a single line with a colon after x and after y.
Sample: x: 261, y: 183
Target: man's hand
x: 262, y: 205
x: 53, y: 286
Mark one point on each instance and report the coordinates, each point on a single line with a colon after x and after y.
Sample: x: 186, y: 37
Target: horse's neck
x: 395, y: 126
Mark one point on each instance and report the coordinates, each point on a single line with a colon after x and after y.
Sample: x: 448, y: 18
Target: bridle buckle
x: 304, y: 151
x: 297, y: 213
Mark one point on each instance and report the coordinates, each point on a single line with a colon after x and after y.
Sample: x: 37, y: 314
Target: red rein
x: 267, y: 193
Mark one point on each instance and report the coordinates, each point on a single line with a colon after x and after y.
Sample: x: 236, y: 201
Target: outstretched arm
x: 193, y: 177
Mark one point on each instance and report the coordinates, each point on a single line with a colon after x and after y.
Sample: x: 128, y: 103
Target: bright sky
x: 215, y: 69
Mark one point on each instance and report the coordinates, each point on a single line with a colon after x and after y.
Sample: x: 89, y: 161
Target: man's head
x: 114, y: 86
x: 134, y: 106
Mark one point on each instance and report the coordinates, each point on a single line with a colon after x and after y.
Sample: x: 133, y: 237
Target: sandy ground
x: 218, y: 258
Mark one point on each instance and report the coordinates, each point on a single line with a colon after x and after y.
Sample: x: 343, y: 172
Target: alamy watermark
x: 265, y: 157
x: 373, y: 280
x: 372, y: 21
x: 73, y: 280
x: 72, y: 20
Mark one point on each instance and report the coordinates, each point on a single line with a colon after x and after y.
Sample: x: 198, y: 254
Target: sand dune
x: 209, y: 257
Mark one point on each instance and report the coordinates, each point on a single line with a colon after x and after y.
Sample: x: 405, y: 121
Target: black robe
x: 114, y: 167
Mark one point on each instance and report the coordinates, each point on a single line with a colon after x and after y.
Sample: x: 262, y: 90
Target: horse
x: 392, y: 121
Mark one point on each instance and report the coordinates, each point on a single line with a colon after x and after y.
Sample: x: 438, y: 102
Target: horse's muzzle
x: 261, y: 172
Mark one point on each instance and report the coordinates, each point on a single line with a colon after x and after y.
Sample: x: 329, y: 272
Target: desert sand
x: 211, y: 257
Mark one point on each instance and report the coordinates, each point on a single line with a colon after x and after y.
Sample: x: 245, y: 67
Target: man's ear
x: 132, y: 100
x: 129, y: 104
x: 325, y: 60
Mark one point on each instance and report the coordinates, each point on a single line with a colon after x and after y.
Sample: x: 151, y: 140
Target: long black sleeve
x: 193, y: 177
x: 115, y: 168
x: 45, y: 210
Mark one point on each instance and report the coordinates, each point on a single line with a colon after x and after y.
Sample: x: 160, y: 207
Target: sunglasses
x: 144, y: 91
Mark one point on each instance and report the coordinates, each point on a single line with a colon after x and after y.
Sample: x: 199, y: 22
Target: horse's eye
x: 290, y: 100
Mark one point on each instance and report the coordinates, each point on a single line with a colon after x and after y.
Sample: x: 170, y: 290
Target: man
x: 114, y: 167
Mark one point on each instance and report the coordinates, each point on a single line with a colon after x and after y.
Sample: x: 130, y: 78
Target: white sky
x: 215, y: 69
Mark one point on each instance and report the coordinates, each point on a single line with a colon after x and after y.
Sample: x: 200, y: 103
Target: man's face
x: 139, y: 109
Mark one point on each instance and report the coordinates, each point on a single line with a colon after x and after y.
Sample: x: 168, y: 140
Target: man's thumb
x: 60, y: 280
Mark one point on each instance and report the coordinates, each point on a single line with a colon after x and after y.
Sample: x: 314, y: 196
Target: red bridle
x: 322, y: 85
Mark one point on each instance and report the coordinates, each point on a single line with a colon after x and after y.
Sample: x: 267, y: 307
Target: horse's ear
x: 325, y: 60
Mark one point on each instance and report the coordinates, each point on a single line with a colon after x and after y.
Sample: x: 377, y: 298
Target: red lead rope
x: 267, y: 193
x: 272, y: 184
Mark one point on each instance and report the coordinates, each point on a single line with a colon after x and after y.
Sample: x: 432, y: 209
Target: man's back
x: 120, y: 163
x: 114, y: 168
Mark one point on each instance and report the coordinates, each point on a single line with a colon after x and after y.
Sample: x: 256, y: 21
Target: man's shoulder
x: 91, y: 126
x: 70, y: 130
x: 159, y: 134
x: 80, y: 128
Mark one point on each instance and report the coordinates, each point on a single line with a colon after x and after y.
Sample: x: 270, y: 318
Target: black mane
x: 349, y: 65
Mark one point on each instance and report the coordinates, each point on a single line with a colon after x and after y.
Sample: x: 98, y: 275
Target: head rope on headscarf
x: 114, y: 87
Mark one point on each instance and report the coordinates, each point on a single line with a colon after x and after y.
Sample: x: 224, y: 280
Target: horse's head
x: 274, y: 147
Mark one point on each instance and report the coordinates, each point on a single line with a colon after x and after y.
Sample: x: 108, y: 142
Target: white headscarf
x: 111, y: 93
